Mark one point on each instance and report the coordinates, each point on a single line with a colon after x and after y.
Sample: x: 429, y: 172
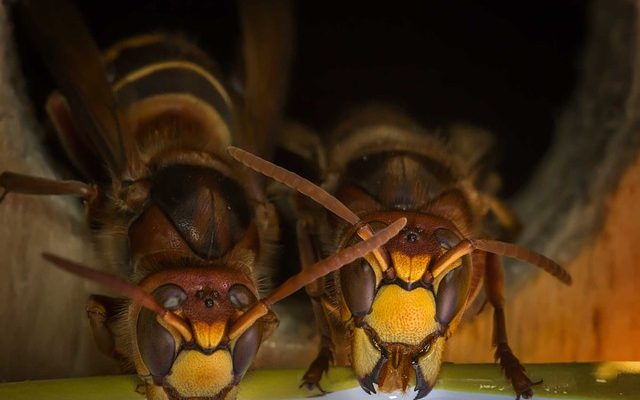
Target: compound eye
x: 245, y: 350
x: 358, y: 283
x: 156, y: 345
x: 446, y: 238
x: 170, y: 296
x: 452, y: 292
x: 241, y: 297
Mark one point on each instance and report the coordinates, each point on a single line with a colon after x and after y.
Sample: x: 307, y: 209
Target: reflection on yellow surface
x: 611, y: 369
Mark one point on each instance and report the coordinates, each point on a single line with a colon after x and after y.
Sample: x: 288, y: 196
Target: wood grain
x: 581, y: 208
x: 594, y: 319
x: 45, y: 333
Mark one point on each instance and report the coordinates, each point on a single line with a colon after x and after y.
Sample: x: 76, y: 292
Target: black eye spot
x: 412, y: 237
x: 241, y: 297
x: 446, y: 238
x: 170, y: 296
x: 200, y: 294
x: 208, y: 303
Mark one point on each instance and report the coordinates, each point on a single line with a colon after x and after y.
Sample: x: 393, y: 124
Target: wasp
x: 148, y: 122
x: 390, y: 313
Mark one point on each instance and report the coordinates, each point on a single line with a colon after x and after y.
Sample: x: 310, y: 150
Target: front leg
x: 320, y: 365
x: 513, y: 369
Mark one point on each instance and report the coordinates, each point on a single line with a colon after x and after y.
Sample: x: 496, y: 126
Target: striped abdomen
x: 171, y: 95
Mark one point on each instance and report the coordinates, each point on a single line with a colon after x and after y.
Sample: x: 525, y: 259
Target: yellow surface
x: 561, y: 381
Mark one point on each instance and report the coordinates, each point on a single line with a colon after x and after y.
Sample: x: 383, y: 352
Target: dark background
x: 506, y: 66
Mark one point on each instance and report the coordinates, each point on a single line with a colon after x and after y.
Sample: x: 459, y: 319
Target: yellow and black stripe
x: 147, y: 66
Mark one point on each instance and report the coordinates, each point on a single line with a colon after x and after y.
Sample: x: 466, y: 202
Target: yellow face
x: 201, y: 375
x: 210, y: 364
x: 384, y: 351
x: 400, y: 327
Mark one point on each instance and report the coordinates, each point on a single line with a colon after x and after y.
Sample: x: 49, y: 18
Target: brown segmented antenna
x: 296, y: 182
x: 309, y: 189
x: 448, y: 261
x: 125, y: 288
x: 526, y: 255
x: 317, y: 270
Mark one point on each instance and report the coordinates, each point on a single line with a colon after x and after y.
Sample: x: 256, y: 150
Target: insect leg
x: 513, y: 370
x: 320, y: 365
x: 103, y: 313
x: 18, y: 183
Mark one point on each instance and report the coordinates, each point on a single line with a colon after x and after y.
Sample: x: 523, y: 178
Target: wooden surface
x: 597, y: 318
x: 582, y: 209
x: 597, y: 136
x: 44, y: 327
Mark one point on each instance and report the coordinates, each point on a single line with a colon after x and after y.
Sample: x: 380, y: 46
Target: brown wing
x: 73, y: 58
x: 267, y: 32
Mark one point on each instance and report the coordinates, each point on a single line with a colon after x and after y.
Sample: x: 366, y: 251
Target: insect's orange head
x: 182, y: 329
x: 401, y: 312
x: 206, y: 362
